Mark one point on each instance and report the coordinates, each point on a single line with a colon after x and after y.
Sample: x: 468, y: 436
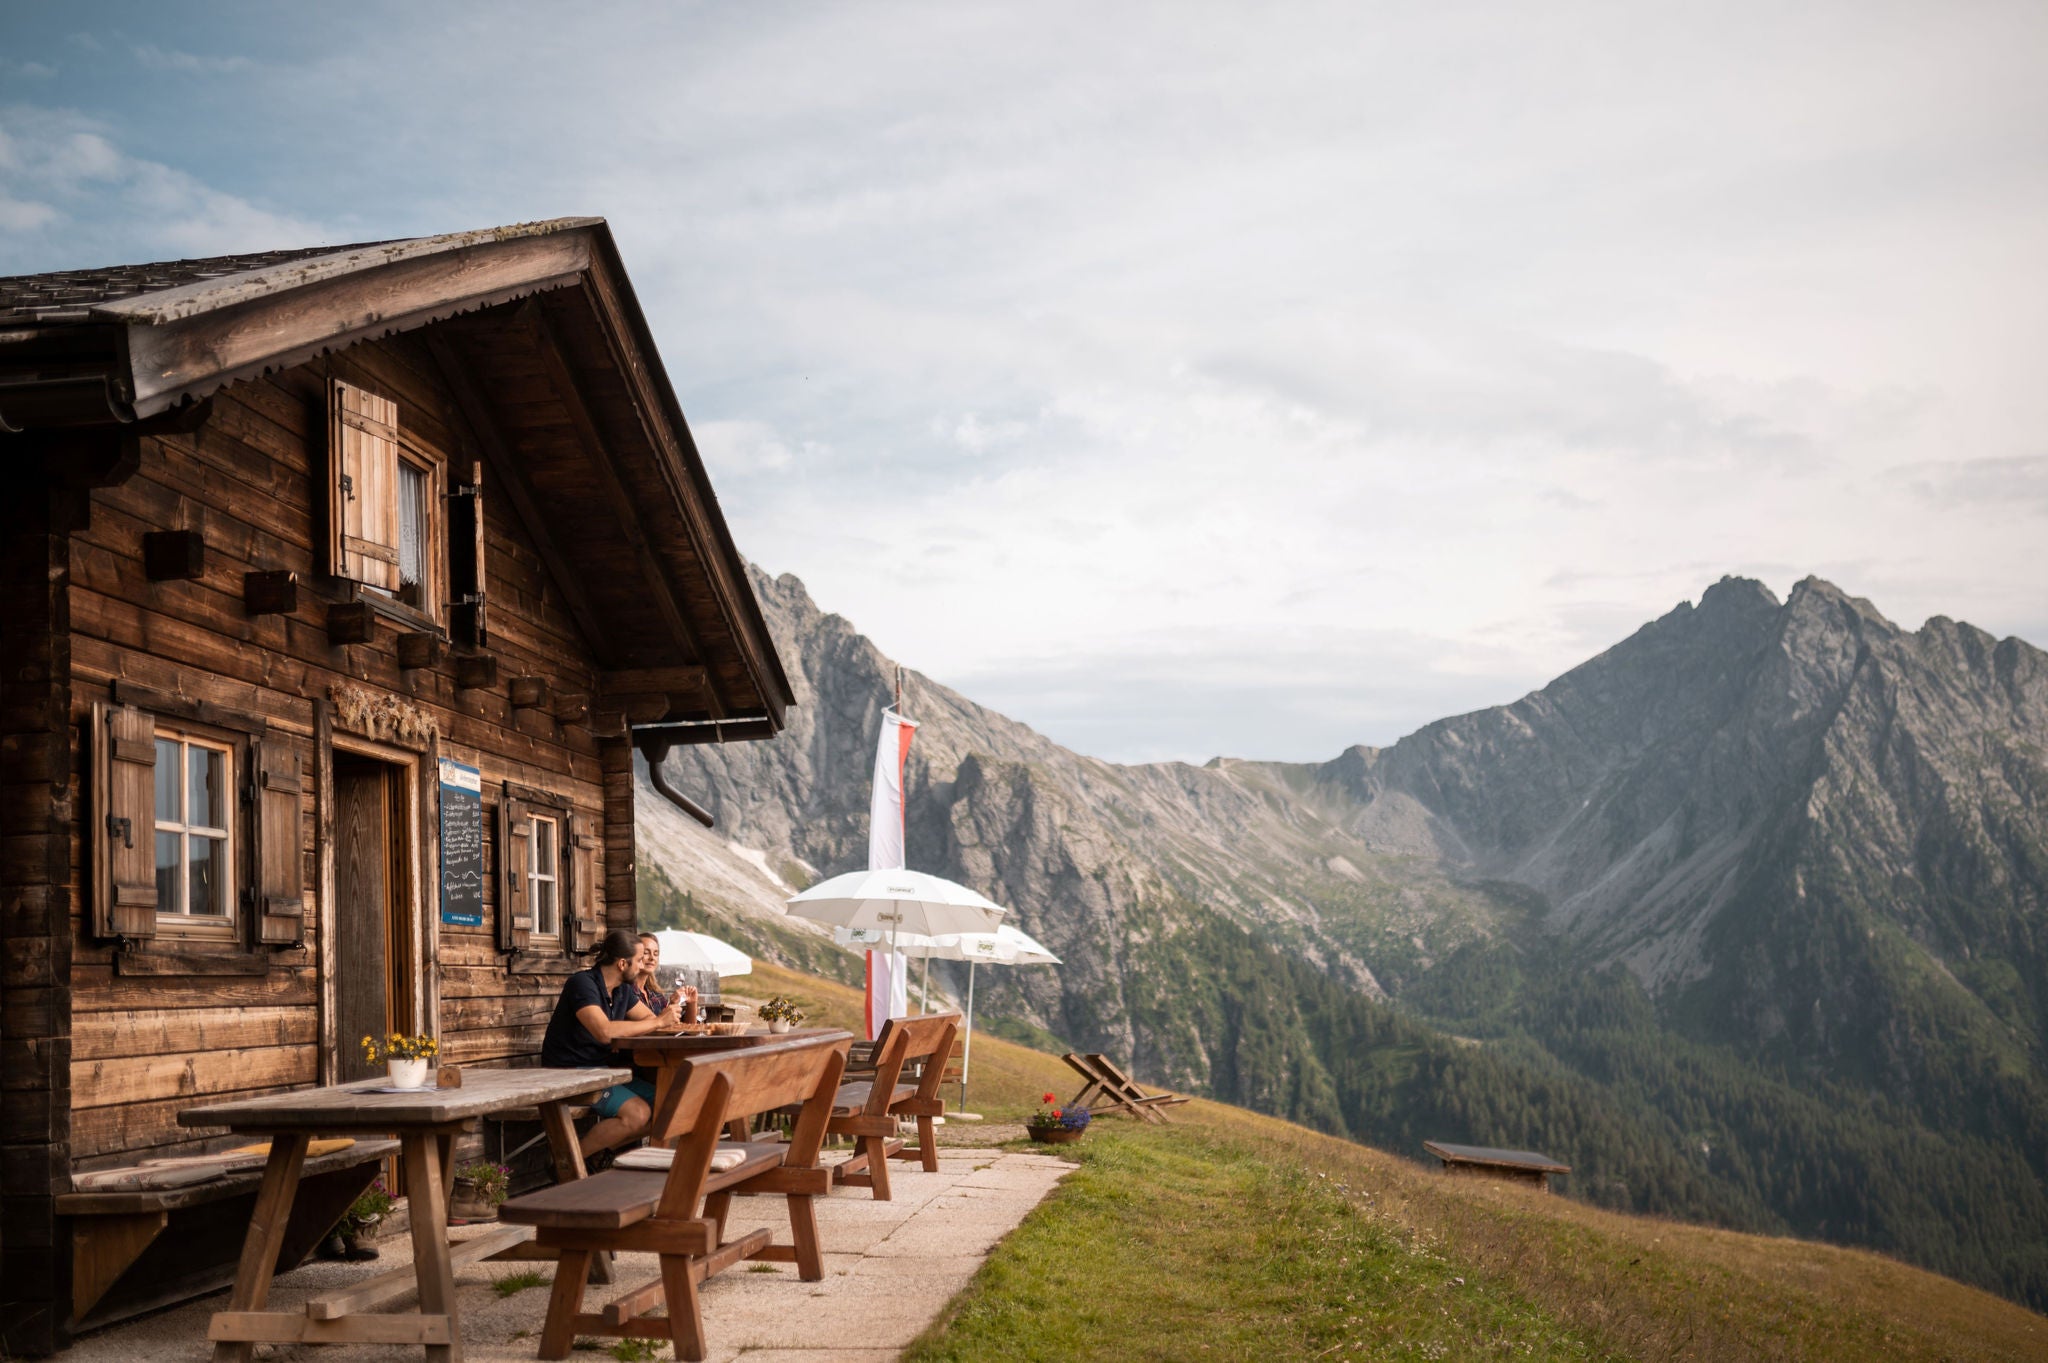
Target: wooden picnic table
x: 426, y: 1124
x: 666, y: 1054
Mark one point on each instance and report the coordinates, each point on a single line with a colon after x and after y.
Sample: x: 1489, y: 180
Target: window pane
x: 412, y: 532
x: 544, y: 847
x: 167, y: 764
x: 167, y: 867
x: 208, y: 877
x: 544, y: 920
x: 206, y: 803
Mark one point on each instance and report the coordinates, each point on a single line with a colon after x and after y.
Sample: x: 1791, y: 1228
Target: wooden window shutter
x: 124, y: 822
x: 466, y: 560
x: 362, y: 486
x: 588, y: 924
x: 515, y: 850
x: 277, y: 829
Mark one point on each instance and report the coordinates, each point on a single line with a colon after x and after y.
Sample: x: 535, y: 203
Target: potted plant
x: 480, y: 1188
x: 1056, y: 1125
x: 781, y: 1014
x: 357, y: 1224
x: 405, y: 1057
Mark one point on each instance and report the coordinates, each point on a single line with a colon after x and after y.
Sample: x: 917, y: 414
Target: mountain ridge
x: 1813, y: 840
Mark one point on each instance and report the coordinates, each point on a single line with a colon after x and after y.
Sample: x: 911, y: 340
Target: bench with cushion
x: 679, y: 1214
x: 168, y: 1230
x: 869, y: 1110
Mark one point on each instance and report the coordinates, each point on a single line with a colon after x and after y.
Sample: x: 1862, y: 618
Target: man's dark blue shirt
x: 568, y: 1044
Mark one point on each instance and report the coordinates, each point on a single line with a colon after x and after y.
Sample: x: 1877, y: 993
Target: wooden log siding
x: 37, y: 884
x: 253, y: 481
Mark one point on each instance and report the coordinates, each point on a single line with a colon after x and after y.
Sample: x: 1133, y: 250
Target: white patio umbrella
x: 914, y: 945
x: 897, y: 902
x: 701, y: 951
x: 727, y: 959
x: 1005, y: 946
x: 900, y: 903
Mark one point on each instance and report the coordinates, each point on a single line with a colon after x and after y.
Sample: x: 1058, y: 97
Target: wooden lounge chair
x: 1109, y: 1089
x: 869, y: 1110
x: 680, y: 1215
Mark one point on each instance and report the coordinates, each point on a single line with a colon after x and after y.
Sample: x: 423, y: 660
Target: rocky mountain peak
x: 1725, y: 760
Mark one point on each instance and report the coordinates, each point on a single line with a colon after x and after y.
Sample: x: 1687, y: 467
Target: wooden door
x: 371, y: 952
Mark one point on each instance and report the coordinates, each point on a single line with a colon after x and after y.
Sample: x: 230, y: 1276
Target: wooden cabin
x: 339, y: 586
x: 1485, y: 1161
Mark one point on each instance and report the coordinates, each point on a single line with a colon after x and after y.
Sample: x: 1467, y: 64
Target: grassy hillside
x: 1230, y: 1234
x: 1577, y: 1065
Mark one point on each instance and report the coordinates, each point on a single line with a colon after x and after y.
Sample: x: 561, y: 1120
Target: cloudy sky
x: 1187, y: 379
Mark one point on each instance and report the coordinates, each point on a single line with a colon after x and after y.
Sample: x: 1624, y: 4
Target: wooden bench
x: 1116, y: 1091
x: 138, y: 1249
x: 869, y: 1110
x: 680, y: 1215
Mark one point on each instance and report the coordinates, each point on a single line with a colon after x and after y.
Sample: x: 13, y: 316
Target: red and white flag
x: 888, y: 992
x: 885, y: 812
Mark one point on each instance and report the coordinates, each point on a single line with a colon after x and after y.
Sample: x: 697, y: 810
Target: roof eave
x: 252, y: 330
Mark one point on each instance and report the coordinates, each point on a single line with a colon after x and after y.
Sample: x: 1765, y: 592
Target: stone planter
x: 1056, y: 1135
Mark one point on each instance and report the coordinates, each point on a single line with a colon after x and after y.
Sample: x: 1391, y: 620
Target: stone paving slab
x: 890, y: 1269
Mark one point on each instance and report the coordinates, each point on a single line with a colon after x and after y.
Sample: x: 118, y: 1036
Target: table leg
x: 266, y: 1234
x: 561, y: 1131
x: 664, y: 1080
x: 428, y: 1198
x: 568, y: 1156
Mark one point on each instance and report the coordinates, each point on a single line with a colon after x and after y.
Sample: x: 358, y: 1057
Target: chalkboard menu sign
x: 462, y: 845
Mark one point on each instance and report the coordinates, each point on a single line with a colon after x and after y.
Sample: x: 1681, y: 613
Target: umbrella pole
x: 967, y: 1051
x: 924, y: 1002
x: 895, y: 964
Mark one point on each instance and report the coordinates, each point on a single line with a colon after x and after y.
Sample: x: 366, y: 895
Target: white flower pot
x: 407, y: 1074
x: 779, y: 1026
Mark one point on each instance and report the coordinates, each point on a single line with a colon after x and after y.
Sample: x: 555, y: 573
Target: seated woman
x: 599, y: 1006
x: 645, y: 969
x: 643, y: 983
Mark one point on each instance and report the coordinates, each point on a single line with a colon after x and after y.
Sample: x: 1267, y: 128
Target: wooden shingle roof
x: 538, y: 337
x: 71, y: 295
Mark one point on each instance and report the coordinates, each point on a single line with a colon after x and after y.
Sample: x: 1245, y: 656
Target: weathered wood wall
x: 251, y: 481
x: 36, y: 829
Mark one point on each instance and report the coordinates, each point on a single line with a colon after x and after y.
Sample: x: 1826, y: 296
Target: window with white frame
x: 543, y: 875
x: 194, y: 841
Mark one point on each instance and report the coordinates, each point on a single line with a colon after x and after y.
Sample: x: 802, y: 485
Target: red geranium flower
x: 1049, y: 1098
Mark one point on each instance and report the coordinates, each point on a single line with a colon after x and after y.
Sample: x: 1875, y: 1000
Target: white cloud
x: 70, y: 197
x: 188, y: 63
x: 24, y: 215
x: 739, y: 448
x: 1153, y: 371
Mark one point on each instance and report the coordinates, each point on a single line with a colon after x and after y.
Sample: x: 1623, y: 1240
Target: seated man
x: 598, y: 1006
